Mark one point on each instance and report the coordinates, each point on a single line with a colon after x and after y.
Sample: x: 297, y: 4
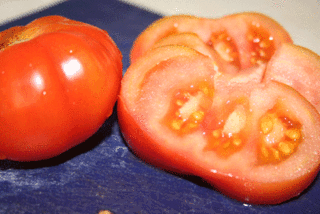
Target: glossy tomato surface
x: 59, y: 81
x: 253, y: 137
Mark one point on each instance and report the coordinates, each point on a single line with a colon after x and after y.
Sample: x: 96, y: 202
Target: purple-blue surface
x: 102, y: 173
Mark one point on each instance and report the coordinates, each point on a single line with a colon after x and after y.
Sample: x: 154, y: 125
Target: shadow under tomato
x: 89, y: 144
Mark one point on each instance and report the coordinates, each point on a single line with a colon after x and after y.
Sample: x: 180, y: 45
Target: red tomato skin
x: 57, y: 88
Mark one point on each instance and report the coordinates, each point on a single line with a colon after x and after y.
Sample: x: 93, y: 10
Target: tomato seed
x: 293, y: 134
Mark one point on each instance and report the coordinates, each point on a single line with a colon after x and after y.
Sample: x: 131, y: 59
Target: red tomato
x: 255, y: 139
x: 59, y: 82
x: 243, y: 39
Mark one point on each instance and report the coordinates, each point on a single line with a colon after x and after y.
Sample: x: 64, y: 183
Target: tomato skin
x: 259, y: 193
x: 59, y: 82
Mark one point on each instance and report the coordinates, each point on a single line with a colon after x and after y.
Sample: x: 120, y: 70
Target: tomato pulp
x: 59, y: 81
x: 190, y: 108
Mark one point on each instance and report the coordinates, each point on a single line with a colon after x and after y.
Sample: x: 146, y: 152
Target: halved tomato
x: 243, y: 39
x: 255, y: 141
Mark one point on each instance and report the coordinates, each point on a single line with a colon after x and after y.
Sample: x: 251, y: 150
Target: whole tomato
x: 59, y: 81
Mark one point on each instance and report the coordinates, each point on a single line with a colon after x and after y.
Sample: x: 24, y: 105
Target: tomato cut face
x: 241, y: 40
x: 230, y: 100
x: 299, y: 68
x: 191, y: 40
x: 252, y: 137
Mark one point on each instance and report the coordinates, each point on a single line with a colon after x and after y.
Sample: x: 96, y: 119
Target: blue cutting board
x: 102, y: 173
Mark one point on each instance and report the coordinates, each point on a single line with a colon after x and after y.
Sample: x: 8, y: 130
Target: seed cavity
x: 280, y: 138
x: 262, y: 44
x: 222, y: 43
x: 286, y: 148
x: 228, y: 139
x: 266, y: 124
x: 293, y: 134
x: 189, y: 107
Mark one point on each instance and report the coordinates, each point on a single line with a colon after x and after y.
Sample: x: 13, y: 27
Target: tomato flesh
x: 299, y: 68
